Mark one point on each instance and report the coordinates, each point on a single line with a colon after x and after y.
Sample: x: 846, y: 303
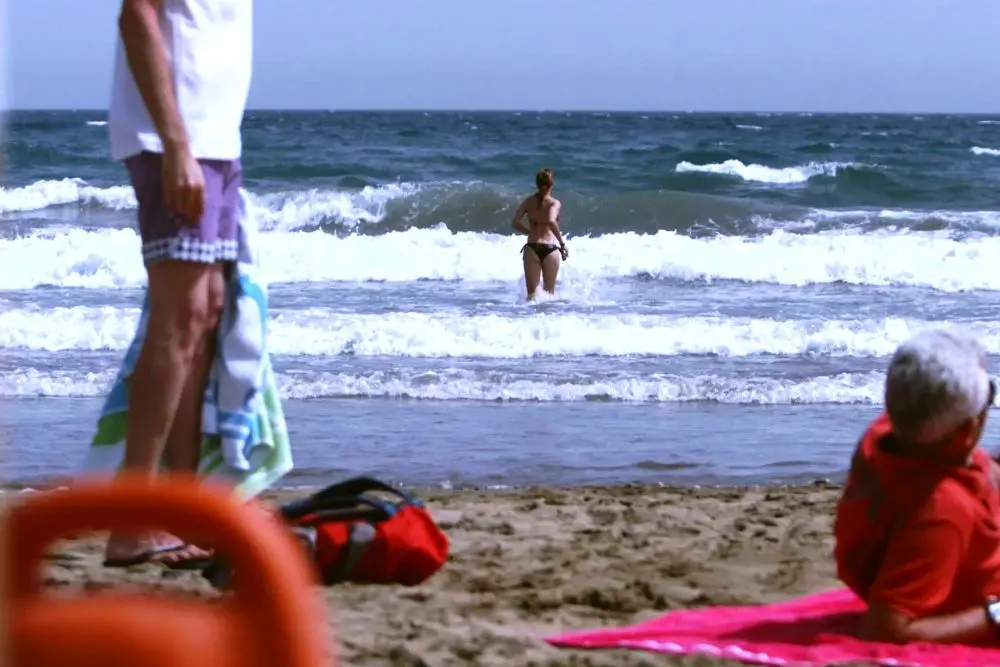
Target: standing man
x: 181, y: 80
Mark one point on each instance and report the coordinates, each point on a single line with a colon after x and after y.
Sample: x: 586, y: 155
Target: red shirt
x: 917, y: 536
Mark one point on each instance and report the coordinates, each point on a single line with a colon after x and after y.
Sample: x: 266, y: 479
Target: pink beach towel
x: 813, y: 630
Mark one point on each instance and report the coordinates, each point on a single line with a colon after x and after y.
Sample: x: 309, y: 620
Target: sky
x: 687, y: 55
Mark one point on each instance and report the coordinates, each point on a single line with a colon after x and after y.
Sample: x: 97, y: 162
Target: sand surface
x: 534, y: 562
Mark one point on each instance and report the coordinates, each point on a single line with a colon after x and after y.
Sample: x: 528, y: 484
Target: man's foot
x: 164, y: 549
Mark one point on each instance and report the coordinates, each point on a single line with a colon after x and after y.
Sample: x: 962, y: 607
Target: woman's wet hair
x: 544, y: 179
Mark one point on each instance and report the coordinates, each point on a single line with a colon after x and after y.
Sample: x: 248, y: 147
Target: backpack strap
x: 339, y: 508
x: 359, y: 485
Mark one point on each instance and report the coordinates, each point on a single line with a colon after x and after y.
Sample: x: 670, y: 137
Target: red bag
x: 358, y: 536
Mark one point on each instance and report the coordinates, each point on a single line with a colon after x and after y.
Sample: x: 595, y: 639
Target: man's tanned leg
x: 180, y: 320
x: 167, y: 387
x: 186, y: 429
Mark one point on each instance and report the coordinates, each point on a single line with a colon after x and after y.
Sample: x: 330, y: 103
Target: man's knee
x: 188, y: 322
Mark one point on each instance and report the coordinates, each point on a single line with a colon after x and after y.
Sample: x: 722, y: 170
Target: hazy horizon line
x: 550, y: 111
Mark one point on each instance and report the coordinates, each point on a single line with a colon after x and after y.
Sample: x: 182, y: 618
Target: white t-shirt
x: 209, y: 46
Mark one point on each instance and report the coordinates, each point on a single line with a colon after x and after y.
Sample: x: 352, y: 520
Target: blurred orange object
x: 271, y: 619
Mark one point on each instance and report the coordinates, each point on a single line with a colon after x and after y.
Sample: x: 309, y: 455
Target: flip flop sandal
x: 149, y: 556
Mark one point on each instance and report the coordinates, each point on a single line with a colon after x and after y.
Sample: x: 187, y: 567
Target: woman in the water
x: 545, y: 249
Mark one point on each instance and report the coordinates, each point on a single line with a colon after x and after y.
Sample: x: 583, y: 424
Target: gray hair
x: 936, y: 382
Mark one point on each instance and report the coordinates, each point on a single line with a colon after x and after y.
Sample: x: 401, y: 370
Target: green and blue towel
x: 245, y: 439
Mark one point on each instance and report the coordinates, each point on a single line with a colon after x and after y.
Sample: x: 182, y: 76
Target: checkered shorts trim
x: 190, y: 250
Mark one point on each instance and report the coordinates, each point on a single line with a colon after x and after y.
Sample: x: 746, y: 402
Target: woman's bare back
x: 538, y: 217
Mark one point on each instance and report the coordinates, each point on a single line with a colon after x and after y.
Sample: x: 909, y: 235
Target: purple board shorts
x: 166, y: 235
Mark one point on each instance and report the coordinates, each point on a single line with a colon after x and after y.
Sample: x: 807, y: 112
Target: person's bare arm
x: 918, y: 571
x: 518, y: 216
x: 554, y: 226
x: 882, y: 623
x: 139, y: 26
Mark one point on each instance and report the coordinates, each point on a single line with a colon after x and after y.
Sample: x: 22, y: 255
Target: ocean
x: 735, y: 285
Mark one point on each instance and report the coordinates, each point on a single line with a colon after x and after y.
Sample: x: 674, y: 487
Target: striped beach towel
x: 245, y: 439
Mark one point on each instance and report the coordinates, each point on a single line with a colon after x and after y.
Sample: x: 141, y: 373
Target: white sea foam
x: 111, y: 258
x: 979, y: 150
x: 295, y: 251
x: 325, y: 332
x: 762, y: 174
x: 45, y: 193
x: 306, y: 208
x: 460, y: 384
x: 283, y: 210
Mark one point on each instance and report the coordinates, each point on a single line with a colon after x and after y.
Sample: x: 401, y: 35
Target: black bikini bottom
x: 541, y: 250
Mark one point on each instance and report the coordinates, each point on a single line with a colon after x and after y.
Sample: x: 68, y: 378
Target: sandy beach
x: 533, y: 562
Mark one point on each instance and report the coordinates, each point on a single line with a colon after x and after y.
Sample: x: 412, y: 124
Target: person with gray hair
x: 936, y: 382
x: 918, y: 525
